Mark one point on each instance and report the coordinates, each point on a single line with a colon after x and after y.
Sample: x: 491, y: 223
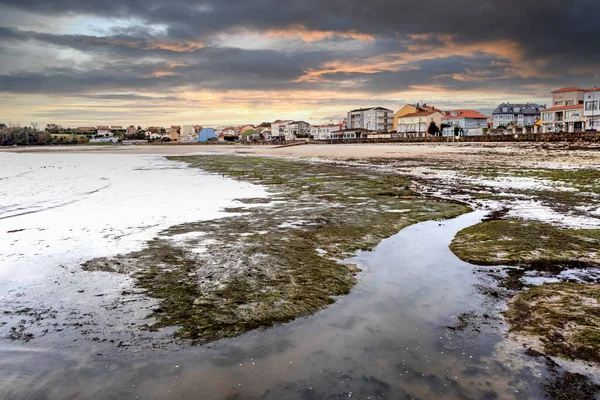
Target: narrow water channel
x: 388, y: 339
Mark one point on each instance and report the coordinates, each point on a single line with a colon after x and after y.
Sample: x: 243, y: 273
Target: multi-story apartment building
x: 516, y: 114
x: 468, y: 122
x: 591, y: 109
x: 298, y: 129
x: 416, y: 124
x: 374, y: 119
x: 566, y: 113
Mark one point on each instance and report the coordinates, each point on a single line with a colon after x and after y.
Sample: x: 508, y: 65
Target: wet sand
x: 526, y: 154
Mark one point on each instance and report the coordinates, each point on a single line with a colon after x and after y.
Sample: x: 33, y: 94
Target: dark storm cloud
x: 541, y: 25
x: 547, y: 37
x: 210, y: 68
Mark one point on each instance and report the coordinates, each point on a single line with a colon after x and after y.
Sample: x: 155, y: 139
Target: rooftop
x: 465, y: 114
x: 559, y: 108
x: 370, y: 108
x: 569, y: 89
x: 527, y: 108
x: 419, y: 114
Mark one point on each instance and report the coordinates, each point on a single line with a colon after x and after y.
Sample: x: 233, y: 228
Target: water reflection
x: 388, y: 339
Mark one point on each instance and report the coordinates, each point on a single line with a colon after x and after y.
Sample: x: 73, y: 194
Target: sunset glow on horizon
x: 222, y: 62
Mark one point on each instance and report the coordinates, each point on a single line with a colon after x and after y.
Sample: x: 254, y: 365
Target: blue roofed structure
x: 207, y: 134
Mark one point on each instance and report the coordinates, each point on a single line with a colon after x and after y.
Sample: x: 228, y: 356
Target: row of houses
x: 573, y: 109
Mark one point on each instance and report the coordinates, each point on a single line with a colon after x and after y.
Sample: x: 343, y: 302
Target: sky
x: 217, y: 62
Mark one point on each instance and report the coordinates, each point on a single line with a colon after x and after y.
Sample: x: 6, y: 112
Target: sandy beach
x: 510, y: 154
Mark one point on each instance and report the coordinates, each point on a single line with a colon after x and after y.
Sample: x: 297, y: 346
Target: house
x: 230, y: 134
x: 171, y: 134
x: 410, y: 109
x: 131, y: 130
x: 117, y: 129
x: 187, y: 130
x: 153, y: 136
x: 298, y: 129
x: 416, y: 124
x: 156, y: 129
x: 87, y: 130
x: 279, y: 130
x: 187, y: 134
x: 324, y: 132
x: 468, y: 122
x: 516, y: 114
x: 247, y: 128
x: 591, y: 110
x: 566, y: 113
x: 289, y: 130
x: 375, y: 118
x: 103, y: 130
x: 207, y: 134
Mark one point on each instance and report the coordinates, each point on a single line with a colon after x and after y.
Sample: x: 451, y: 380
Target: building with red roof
x: 566, y: 113
x: 464, y: 122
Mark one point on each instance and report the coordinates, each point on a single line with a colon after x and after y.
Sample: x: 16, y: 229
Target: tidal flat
x: 276, y: 260
x: 318, y: 280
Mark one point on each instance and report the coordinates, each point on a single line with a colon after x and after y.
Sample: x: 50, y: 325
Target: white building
x: 279, y: 130
x: 516, y: 114
x: 289, y: 130
x: 187, y: 134
x: 591, y: 109
x: 469, y: 123
x: 187, y: 130
x: 374, y: 119
x: 104, y: 131
x: 324, y: 132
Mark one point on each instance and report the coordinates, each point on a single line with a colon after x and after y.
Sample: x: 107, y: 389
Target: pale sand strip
x: 524, y: 154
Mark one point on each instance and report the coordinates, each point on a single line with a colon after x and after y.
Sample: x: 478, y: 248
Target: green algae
x: 564, y: 317
x: 516, y: 242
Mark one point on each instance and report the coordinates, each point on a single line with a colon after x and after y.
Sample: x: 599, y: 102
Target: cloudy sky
x: 90, y: 62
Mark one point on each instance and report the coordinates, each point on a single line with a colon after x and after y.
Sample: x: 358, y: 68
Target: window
x: 570, y: 102
x: 591, y: 105
x: 558, y: 103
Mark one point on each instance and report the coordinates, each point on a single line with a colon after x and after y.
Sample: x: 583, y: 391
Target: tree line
x: 27, y: 136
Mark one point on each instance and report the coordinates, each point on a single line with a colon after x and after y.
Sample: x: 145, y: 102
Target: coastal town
x: 572, y: 110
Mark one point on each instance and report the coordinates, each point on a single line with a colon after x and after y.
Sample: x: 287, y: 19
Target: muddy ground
x: 274, y: 260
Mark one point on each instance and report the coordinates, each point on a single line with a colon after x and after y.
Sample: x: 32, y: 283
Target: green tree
x: 458, y: 131
x: 433, y: 129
